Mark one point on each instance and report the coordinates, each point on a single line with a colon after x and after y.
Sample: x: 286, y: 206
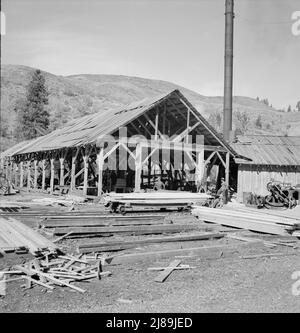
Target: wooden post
x: 28, y: 175
x: 187, y: 125
x: 100, y: 162
x: 52, y: 175
x: 200, y: 168
x: 73, y: 169
x: 138, y: 167
x: 85, y: 173
x: 21, y: 175
x: 62, y: 172
x: 227, y: 168
x: 156, y: 125
x: 43, y: 174
x: 35, y: 163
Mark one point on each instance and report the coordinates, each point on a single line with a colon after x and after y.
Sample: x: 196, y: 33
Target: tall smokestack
x: 228, y: 70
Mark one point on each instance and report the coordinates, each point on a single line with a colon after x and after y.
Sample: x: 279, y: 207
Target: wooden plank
x: 121, y: 245
x: 205, y: 252
x: 153, y: 229
x: 161, y: 277
x: 92, y: 222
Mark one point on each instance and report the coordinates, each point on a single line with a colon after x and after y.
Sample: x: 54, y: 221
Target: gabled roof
x: 88, y: 129
x: 269, y: 150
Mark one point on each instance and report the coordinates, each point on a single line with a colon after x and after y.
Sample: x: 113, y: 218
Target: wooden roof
x: 269, y: 150
x: 88, y: 129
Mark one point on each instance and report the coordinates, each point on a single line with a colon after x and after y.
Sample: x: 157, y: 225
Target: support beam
x: 187, y: 126
x: 85, y: 173
x: 28, y: 175
x: 62, y: 171
x: 21, y: 175
x: 52, y: 175
x: 100, y: 163
x: 43, y: 174
x: 156, y: 125
x: 199, y: 172
x: 35, y: 163
x: 227, y: 169
x: 138, y: 167
x: 73, y: 169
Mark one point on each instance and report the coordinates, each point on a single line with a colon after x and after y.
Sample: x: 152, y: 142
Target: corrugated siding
x: 252, y: 179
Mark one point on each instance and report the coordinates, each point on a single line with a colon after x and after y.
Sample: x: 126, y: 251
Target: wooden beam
x: 122, y: 245
x: 199, y: 172
x: 62, y: 171
x: 134, y: 229
x: 100, y: 163
x: 28, y: 175
x: 35, y: 163
x: 227, y: 168
x: 156, y: 125
x: 73, y: 169
x: 21, y: 175
x: 138, y: 167
x: 43, y: 174
x: 52, y: 170
x: 85, y: 175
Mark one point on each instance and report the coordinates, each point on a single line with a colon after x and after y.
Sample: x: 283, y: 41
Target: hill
x: 77, y: 95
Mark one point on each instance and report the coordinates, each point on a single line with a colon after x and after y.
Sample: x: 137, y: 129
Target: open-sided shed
x: 145, y: 134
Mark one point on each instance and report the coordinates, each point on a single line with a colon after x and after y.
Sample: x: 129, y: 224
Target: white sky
x: 181, y: 41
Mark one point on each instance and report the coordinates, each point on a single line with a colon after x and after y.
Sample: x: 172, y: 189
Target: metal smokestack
x: 228, y: 70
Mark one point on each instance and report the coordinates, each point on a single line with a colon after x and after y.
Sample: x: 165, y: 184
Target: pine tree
x: 32, y: 114
x: 289, y: 109
x: 298, y: 106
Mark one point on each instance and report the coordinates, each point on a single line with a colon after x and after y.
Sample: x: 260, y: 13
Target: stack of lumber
x: 125, y: 229
x: 122, y: 245
x: 7, y: 206
x: 157, y: 198
x: 54, y: 270
x: 99, y: 220
x: 254, y: 221
x: 15, y: 236
x: 106, y: 225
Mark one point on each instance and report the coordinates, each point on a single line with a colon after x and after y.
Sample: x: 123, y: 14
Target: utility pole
x: 228, y: 70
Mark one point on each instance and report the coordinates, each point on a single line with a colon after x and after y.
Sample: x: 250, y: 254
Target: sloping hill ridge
x: 77, y: 95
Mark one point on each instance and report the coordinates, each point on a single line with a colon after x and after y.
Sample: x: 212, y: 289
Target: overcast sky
x: 181, y: 41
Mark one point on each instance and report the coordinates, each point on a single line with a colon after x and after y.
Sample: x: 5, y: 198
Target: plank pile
x: 255, y: 221
x: 54, y: 270
x: 7, y: 206
x: 16, y: 236
x: 111, y: 225
x: 155, y: 199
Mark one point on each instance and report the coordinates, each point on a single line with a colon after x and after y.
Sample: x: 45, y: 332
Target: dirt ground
x: 219, y: 284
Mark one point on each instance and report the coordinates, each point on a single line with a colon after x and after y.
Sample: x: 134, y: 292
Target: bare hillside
x: 78, y: 95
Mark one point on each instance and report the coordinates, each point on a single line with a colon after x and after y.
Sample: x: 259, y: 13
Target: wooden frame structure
x: 76, y: 156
